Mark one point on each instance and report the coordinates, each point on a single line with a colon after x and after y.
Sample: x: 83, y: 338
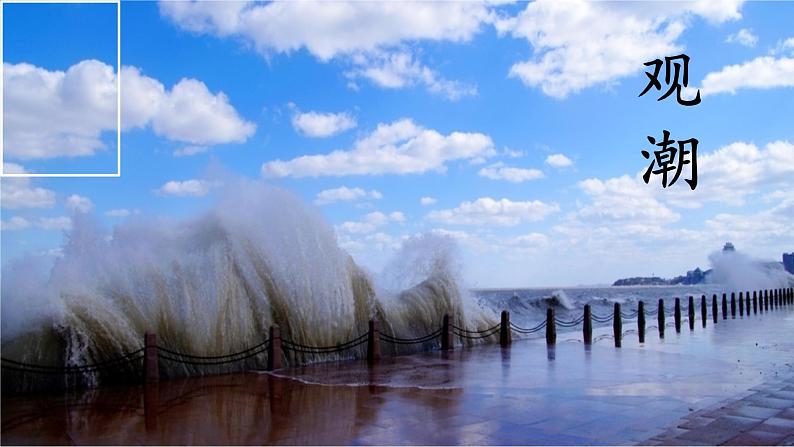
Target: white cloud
x: 370, y: 35
x: 743, y: 37
x: 345, y: 194
x: 371, y: 222
x: 14, y: 223
x: 487, y: 211
x: 55, y: 113
x: 55, y: 223
x: 79, y: 204
x: 500, y: 171
x: 559, y: 161
x: 397, y: 70
x: 764, y: 72
x: 623, y: 200
x: 401, y: 147
x: 187, y: 151
x: 194, y: 188
x: 769, y: 227
x: 784, y: 46
x: 120, y: 212
x: 732, y: 173
x: 717, y: 11
x: 580, y: 44
x: 189, y: 112
x: 427, y: 201
x: 63, y: 114
x: 18, y: 192
x: 330, y: 29
x: 510, y: 153
x: 530, y: 240
x: 322, y: 125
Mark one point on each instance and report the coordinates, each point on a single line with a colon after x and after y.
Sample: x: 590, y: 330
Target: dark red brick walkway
x: 764, y: 415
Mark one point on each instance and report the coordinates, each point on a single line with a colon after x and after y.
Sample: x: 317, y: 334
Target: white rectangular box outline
x: 118, y: 89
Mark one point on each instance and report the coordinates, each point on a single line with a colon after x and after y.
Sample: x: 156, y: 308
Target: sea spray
x: 560, y: 298
x: 428, y: 265
x: 738, y: 271
x: 215, y: 283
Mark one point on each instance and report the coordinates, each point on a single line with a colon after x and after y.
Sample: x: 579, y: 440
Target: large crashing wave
x: 215, y: 284
x: 741, y: 272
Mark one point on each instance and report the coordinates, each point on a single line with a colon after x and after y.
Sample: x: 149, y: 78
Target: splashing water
x: 214, y: 284
x: 740, y: 272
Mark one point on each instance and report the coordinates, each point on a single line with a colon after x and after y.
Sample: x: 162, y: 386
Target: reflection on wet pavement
x: 487, y: 395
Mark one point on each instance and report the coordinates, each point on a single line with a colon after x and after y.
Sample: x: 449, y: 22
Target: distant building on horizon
x: 728, y: 247
x: 788, y: 262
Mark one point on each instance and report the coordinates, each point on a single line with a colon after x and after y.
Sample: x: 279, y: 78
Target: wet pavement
x: 762, y: 416
x: 734, y: 378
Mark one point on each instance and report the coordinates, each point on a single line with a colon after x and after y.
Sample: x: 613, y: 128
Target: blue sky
x: 520, y: 126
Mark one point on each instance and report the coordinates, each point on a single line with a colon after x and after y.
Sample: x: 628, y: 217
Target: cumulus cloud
x: 345, y: 194
x: 78, y: 204
x: 55, y: 223
x: 401, y: 147
x: 743, y: 37
x: 330, y: 29
x: 371, y: 222
x: 784, y: 46
x: 322, y: 125
x: 187, y: 151
x: 427, y: 201
x: 733, y: 172
x: 19, y: 192
x: 119, y: 212
x: 624, y: 200
x: 371, y: 37
x: 624, y: 213
x: 52, y: 114
x: 188, y: 112
x: 500, y: 171
x: 559, y: 161
x: 579, y: 44
x: 185, y: 188
x: 769, y: 227
x: 14, y: 223
x: 761, y: 73
x: 487, y: 211
x: 401, y: 69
